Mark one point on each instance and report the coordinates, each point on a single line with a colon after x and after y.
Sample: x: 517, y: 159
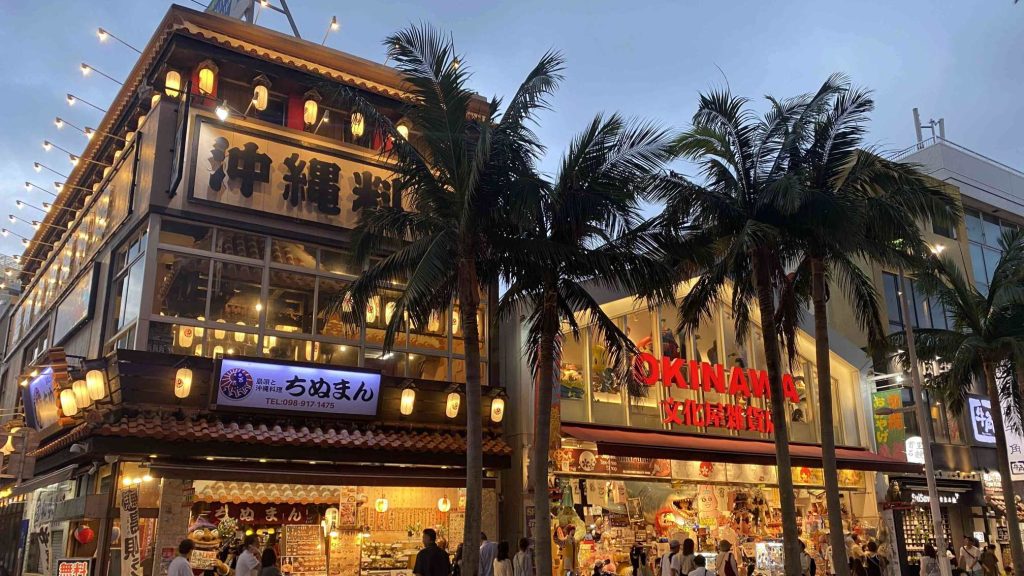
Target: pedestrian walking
x: 431, y: 560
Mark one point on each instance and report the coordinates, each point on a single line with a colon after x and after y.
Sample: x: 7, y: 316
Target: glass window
x: 990, y: 225
x: 643, y: 406
x: 128, y: 295
x: 240, y: 244
x: 337, y: 354
x: 337, y: 262
x: 181, y: 285
x: 292, y: 254
x: 235, y: 293
x: 379, y: 312
x: 992, y: 257
x: 390, y: 363
x: 175, y: 339
x: 946, y: 231
x: 293, y: 349
x: 290, y: 301
x: 335, y: 317
x: 571, y: 372
x: 459, y: 371
x: 978, y: 267
x: 433, y: 335
x: 892, y: 301
x: 186, y: 235
x: 975, y: 232
x: 938, y: 314
x: 606, y: 387
x: 424, y: 367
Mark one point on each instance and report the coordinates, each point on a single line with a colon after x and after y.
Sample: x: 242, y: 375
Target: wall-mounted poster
x: 76, y: 308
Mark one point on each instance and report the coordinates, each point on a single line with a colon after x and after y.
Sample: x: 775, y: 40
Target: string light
x: 333, y: 27
x: 72, y: 99
x: 87, y: 69
x: 38, y: 166
x: 104, y: 34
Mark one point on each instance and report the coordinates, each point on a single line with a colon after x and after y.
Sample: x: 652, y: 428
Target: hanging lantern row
x: 83, y: 393
x: 207, y: 87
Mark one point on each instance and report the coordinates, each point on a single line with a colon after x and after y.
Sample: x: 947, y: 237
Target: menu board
x: 303, y: 549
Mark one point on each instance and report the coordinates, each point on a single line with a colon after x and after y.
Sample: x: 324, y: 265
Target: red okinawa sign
x: 743, y: 384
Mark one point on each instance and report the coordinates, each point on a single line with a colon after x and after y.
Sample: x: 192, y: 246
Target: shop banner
x: 41, y: 399
x: 74, y: 567
x: 253, y: 514
x: 131, y: 541
x: 590, y: 462
x: 251, y: 384
x: 890, y: 429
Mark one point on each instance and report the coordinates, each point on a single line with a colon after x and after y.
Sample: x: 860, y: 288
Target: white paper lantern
x: 183, y: 382
x: 408, y: 401
x: 67, y: 402
x: 451, y: 407
x: 81, y: 391
x: 96, y: 380
x: 497, y: 409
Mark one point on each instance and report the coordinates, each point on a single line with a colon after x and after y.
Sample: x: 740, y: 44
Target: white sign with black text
x: 252, y: 384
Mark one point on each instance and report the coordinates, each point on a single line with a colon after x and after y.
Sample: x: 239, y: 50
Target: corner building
x: 184, y: 353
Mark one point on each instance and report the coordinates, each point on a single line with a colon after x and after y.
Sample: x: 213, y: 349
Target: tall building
x: 186, y: 354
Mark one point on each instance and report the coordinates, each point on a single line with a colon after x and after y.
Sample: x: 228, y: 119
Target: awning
x: 38, y: 482
x: 675, y: 446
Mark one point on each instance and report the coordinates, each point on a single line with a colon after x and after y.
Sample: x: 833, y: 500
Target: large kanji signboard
x: 270, y: 173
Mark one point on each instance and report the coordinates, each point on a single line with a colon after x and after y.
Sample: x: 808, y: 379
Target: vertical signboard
x: 131, y: 543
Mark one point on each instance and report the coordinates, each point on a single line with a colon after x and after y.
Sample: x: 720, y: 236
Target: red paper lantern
x: 84, y: 534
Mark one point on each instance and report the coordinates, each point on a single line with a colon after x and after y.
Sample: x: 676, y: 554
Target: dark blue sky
x: 958, y: 59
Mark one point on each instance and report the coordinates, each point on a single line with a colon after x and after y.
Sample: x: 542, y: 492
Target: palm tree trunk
x: 773, y: 364
x: 542, y: 431
x: 469, y: 302
x: 1016, y: 549
x: 828, y: 436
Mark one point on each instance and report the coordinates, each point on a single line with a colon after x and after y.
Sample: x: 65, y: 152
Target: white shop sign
x: 296, y: 388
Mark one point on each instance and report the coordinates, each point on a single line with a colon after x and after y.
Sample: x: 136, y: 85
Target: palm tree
x: 855, y: 207
x: 580, y: 233
x: 983, y: 344
x: 739, y: 215
x: 457, y: 172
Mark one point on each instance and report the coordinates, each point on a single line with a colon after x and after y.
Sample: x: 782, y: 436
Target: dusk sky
x: 962, y: 60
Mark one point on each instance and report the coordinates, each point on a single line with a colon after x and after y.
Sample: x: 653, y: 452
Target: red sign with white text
x: 743, y: 384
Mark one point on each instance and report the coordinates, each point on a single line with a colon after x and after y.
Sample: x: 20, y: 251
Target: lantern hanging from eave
x: 311, y: 107
x: 67, y: 402
x: 444, y: 504
x: 358, y: 124
x: 408, y: 401
x: 207, y: 77
x: 81, y: 391
x: 96, y: 380
x: 451, y: 407
x: 381, y: 505
x: 260, y: 92
x: 182, y: 382
x: 497, y: 409
x: 172, y: 83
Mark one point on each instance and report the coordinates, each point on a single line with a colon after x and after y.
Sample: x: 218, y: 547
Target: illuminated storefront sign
x: 915, y: 449
x: 254, y: 384
x: 74, y: 567
x: 946, y: 498
x: 743, y: 384
x: 980, y: 413
x: 272, y: 174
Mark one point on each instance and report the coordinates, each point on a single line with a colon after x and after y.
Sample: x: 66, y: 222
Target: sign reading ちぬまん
x: 253, y: 384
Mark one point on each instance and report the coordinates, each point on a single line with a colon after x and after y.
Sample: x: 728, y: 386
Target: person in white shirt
x: 970, y: 557
x: 180, y: 565
x: 522, y: 563
x: 669, y: 558
x: 502, y: 563
x: 684, y: 561
x: 700, y: 562
x: 249, y: 562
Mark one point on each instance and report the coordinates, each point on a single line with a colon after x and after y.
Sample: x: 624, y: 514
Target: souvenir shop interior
x: 608, y: 506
